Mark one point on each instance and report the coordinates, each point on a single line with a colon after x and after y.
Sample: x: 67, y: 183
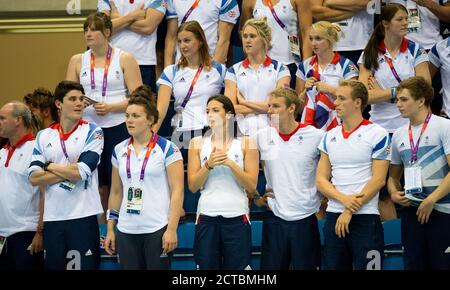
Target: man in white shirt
x: 289, y: 156
x: 421, y: 151
x: 65, y: 160
x: 21, y: 241
x: 355, y: 155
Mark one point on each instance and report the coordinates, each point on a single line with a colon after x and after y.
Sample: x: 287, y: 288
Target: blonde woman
x: 249, y: 82
x: 318, y: 76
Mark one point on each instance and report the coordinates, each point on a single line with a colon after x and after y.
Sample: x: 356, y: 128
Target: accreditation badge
x: 414, y: 22
x: 294, y: 45
x: 134, y: 204
x: 67, y: 185
x: 413, y: 179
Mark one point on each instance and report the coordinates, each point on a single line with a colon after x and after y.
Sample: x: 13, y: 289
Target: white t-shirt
x: 255, y: 85
x: 290, y: 170
x: 155, y: 187
x: 429, y: 32
x: 280, y: 37
x: 208, y: 13
x: 351, y: 161
x: 405, y: 62
x: 209, y: 83
x: 19, y: 200
x: 116, y: 89
x: 141, y: 46
x: 356, y: 31
x: 85, y: 144
x: 439, y: 56
x: 221, y: 194
x: 434, y: 147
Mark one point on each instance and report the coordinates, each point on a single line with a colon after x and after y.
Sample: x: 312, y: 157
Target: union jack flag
x: 319, y: 110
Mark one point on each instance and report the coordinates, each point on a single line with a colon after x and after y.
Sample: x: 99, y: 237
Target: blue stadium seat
x: 321, y: 223
x: 393, y: 249
x: 107, y: 262
x: 183, y: 258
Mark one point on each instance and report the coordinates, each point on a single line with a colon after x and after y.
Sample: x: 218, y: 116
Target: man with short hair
x: 421, y: 150
x: 41, y: 104
x: 65, y: 159
x: 21, y: 228
x: 289, y: 156
x: 355, y: 155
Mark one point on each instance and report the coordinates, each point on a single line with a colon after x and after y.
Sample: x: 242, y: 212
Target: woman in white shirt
x: 223, y: 167
x: 146, y: 191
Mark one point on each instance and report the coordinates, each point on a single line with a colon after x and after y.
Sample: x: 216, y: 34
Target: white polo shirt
x: 434, y: 147
x: 155, y: 187
x: 85, y: 144
x: 116, y: 89
x: 208, y: 13
x: 209, y: 83
x: 409, y: 56
x: 255, y: 85
x: 290, y: 170
x: 141, y: 46
x: 356, y: 31
x: 280, y: 37
x: 351, y: 161
x: 429, y: 32
x: 19, y: 200
x: 440, y: 57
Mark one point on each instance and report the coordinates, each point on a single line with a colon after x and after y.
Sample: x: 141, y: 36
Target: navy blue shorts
x: 72, y: 244
x: 113, y: 136
x: 15, y: 255
x: 354, y: 250
x: 290, y: 243
x: 425, y: 245
x: 222, y: 243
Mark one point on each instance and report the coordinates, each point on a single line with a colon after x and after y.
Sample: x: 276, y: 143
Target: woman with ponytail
x: 388, y: 59
x: 318, y: 76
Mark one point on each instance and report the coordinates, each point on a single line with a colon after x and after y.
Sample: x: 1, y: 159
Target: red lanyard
x: 12, y: 148
x: 269, y: 3
x: 415, y: 149
x: 191, y: 89
x: 190, y: 11
x: 151, y: 144
x: 105, y: 71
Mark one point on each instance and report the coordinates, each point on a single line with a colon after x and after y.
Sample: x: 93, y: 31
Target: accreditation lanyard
x: 105, y: 71
x: 190, y: 11
x: 277, y: 19
x: 151, y: 144
x: 191, y: 89
x: 415, y: 148
x: 391, y: 66
x: 63, y: 143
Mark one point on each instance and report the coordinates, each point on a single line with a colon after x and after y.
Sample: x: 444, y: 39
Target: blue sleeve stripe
x: 162, y: 143
x: 380, y: 144
x: 435, y: 52
x: 89, y: 158
x: 275, y: 64
x: 342, y: 61
x: 231, y: 70
x: 114, y: 155
x: 94, y: 135
x: 92, y: 128
x: 36, y: 152
x: 411, y: 47
x: 165, y: 78
x: 170, y: 152
x: 36, y: 163
x: 224, y: 9
x: 219, y: 68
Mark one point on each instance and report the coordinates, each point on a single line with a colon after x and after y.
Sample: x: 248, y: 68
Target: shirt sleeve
x: 170, y: 9
x: 323, y: 144
x: 350, y: 70
x: 433, y: 56
x: 114, y: 160
x: 167, y: 76
x: 231, y: 75
x: 420, y: 56
x: 229, y: 11
x: 382, y: 146
x: 37, y: 158
x: 445, y: 136
x: 158, y: 5
x: 396, y: 158
x: 301, y: 72
x: 283, y: 72
x: 103, y: 5
x: 173, y: 154
x: 90, y: 156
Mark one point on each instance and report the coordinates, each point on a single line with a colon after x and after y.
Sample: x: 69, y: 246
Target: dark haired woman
x: 146, y: 191
x: 107, y: 75
x: 222, y: 167
x: 388, y: 59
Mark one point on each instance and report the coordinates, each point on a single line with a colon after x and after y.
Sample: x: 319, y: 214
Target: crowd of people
x: 344, y: 112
